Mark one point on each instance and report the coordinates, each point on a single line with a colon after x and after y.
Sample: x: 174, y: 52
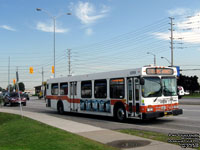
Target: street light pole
x: 54, y: 45
x: 153, y: 56
x: 54, y: 35
x: 166, y: 59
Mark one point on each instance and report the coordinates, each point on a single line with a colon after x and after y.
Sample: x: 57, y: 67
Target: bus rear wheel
x: 60, y: 108
x: 120, y: 114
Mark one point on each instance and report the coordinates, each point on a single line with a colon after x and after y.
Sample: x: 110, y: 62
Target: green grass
x: 152, y: 135
x: 193, y: 95
x: 26, y: 134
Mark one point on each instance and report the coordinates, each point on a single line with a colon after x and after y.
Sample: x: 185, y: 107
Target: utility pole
x: 172, y: 46
x: 17, y: 85
x: 9, y: 74
x: 54, y: 45
x: 42, y: 82
x: 69, y: 61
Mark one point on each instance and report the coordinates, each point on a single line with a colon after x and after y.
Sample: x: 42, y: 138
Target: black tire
x: 179, y: 97
x: 4, y: 103
x: 60, y: 108
x: 24, y: 104
x: 120, y: 114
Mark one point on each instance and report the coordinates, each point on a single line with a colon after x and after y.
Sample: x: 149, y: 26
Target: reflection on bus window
x: 130, y: 92
x: 100, y: 88
x: 54, y: 89
x: 169, y: 86
x: 86, y: 89
x: 152, y: 87
x: 137, y: 92
x: 63, y: 88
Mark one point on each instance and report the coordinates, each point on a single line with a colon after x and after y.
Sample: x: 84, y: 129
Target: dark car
x: 26, y: 96
x: 13, y: 98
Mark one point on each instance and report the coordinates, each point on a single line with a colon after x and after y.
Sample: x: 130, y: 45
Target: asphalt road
x: 189, y: 101
x: 189, y: 122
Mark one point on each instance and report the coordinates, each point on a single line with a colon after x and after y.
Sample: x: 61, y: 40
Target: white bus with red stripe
x: 145, y: 93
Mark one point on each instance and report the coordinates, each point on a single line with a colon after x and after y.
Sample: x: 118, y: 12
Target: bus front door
x: 73, y: 96
x: 133, y: 91
x: 130, y: 96
x: 137, y: 95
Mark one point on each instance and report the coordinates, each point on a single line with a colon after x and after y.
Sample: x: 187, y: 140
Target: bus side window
x: 117, y: 88
x: 64, y: 88
x: 86, y: 89
x: 100, y: 88
x: 54, y: 89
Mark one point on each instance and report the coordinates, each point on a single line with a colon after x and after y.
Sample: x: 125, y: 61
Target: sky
x: 102, y: 35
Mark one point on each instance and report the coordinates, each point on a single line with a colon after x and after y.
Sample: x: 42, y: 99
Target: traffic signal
x: 52, y: 69
x: 14, y: 81
x: 31, y: 70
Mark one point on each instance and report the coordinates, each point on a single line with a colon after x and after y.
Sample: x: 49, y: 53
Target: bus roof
x: 110, y: 74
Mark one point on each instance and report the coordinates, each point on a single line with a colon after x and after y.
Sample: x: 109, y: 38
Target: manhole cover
x: 129, y: 143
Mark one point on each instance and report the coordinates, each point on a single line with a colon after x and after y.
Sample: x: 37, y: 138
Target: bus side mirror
x: 142, y: 81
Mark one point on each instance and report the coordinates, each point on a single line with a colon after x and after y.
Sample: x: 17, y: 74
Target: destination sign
x: 159, y: 71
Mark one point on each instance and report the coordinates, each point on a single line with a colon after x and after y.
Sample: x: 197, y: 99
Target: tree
x: 1, y: 89
x: 188, y: 83
x: 10, y: 87
x: 21, y: 86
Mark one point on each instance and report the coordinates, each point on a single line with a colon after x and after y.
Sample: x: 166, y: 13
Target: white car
x: 186, y: 93
x: 181, y: 92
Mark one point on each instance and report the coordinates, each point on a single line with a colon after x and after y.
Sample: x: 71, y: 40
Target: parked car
x: 186, y: 93
x: 13, y: 98
x: 181, y: 92
x: 26, y: 95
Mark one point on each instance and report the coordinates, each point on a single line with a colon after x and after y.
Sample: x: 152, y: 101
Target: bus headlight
x: 150, y: 109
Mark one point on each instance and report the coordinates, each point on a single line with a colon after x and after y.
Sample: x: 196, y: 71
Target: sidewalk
x: 94, y: 133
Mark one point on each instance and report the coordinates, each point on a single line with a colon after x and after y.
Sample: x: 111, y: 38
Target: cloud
x: 6, y: 27
x: 89, y: 31
x: 88, y: 14
x: 179, y: 11
x: 188, y: 30
x: 187, y: 37
x: 49, y: 28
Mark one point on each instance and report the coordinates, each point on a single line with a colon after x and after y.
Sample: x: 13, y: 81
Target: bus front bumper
x: 161, y: 114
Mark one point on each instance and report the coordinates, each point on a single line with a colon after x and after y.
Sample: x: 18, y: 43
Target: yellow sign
x: 14, y: 81
x: 52, y: 69
x: 31, y: 70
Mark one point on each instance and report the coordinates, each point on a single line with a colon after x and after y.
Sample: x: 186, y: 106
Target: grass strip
x: 153, y: 135
x: 26, y: 134
x: 194, y: 95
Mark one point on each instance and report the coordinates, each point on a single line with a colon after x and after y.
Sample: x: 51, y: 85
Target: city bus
x: 145, y: 93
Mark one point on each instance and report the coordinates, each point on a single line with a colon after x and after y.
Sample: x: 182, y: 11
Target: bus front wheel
x: 120, y: 114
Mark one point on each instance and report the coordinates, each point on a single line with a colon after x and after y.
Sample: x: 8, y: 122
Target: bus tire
x: 120, y: 113
x: 60, y: 108
x: 4, y: 103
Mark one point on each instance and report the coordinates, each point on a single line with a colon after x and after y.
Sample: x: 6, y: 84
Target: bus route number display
x: 159, y: 71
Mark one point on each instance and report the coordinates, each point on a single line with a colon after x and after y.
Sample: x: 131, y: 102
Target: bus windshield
x: 152, y: 87
x: 156, y: 87
x: 169, y: 86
